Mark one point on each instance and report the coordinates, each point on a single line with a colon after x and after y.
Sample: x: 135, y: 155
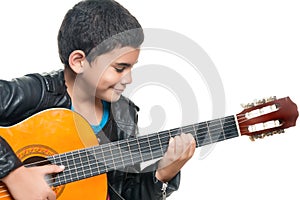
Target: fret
x: 195, y: 135
x: 74, y: 169
x: 108, y: 156
x: 150, y: 149
x: 55, y: 160
x: 85, y: 162
x: 154, y: 142
x: 92, y: 162
x: 209, y: 133
x: 163, y: 141
x: 96, y: 167
x: 71, y: 167
x: 104, y: 163
x: 145, y: 148
x: 201, y: 134
x: 160, y: 145
x: 139, y: 148
x: 121, y: 153
x: 222, y: 123
x: 174, y: 132
x: 112, y: 157
x: 117, y: 156
x: 215, y: 131
x: 170, y: 135
x: 126, y: 153
x: 135, y: 151
x: 61, y: 177
x: 63, y: 162
x: 180, y: 130
x: 79, y: 164
x: 188, y: 129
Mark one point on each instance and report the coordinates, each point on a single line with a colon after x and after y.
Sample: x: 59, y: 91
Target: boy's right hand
x: 30, y: 183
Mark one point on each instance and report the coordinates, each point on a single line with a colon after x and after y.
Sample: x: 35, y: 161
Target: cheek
x: 109, y: 79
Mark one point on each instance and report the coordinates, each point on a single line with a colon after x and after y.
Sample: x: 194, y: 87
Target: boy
x: 98, y: 44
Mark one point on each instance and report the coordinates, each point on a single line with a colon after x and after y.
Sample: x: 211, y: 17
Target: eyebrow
x: 125, y: 64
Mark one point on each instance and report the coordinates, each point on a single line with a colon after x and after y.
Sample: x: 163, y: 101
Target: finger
x: 171, y: 147
x: 186, y: 141
x: 49, y: 169
x: 188, y: 145
x: 179, y: 145
x: 192, y: 148
x: 51, y: 195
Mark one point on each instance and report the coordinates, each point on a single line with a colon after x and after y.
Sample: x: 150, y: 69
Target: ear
x: 76, y: 60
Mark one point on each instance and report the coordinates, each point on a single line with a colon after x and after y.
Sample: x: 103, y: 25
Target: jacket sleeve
x: 16, y: 99
x: 137, y: 184
x: 151, y: 188
x: 23, y: 97
x: 8, y: 159
x: 27, y: 95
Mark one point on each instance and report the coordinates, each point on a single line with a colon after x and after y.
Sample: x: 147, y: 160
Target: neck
x: 88, y: 106
x: 128, y: 152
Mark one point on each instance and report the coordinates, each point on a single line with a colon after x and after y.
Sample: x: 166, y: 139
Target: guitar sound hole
x: 36, y: 161
x: 39, y: 161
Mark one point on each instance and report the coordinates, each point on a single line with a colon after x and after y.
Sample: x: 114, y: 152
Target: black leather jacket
x: 22, y: 97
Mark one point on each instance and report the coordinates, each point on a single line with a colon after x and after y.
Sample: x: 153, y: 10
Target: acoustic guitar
x: 62, y: 137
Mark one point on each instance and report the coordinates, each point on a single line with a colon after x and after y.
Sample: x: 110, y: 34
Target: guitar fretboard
x: 88, y: 162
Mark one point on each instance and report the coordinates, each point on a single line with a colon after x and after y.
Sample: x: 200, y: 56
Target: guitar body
x: 51, y: 132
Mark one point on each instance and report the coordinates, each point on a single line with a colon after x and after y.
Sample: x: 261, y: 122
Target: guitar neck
x: 88, y: 162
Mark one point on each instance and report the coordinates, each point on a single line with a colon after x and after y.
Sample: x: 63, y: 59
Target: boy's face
x: 109, y: 73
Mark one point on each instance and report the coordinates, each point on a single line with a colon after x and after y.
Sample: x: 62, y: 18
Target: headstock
x: 267, y: 117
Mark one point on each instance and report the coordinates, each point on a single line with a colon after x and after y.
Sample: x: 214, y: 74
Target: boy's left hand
x: 181, y: 148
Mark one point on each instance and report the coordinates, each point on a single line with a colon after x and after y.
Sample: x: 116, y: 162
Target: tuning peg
x: 256, y: 102
x: 248, y: 105
x: 259, y: 102
x: 261, y: 136
x: 269, y: 99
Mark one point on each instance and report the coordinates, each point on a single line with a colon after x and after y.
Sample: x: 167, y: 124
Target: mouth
x: 118, y: 91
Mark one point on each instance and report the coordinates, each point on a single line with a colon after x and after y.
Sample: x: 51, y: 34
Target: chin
x: 113, y: 98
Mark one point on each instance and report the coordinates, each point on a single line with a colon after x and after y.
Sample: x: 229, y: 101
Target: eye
x: 119, y: 69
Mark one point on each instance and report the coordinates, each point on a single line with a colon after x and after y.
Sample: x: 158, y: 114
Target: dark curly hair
x: 97, y: 27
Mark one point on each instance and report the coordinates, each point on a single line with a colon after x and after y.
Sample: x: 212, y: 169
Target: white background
x: 255, y: 46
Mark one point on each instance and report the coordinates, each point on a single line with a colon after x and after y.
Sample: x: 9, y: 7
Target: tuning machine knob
x: 248, y: 105
x: 269, y: 99
x: 263, y: 135
x: 257, y: 102
x: 254, y: 103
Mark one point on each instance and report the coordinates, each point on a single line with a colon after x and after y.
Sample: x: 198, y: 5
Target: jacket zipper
x: 164, y: 190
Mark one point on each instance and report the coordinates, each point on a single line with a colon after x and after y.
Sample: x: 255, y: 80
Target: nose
x: 127, y: 78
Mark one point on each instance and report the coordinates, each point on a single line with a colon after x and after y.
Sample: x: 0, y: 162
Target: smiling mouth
x: 119, y: 91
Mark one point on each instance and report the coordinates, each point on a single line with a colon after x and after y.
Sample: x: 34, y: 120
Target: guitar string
x: 154, y: 146
x: 87, y: 163
x: 105, y: 152
x: 150, y: 147
x: 126, y: 141
x: 113, y: 159
x: 162, y: 138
